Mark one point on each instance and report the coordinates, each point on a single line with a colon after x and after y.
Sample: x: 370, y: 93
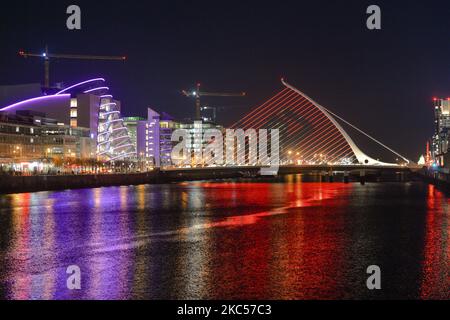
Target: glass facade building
x: 440, y: 141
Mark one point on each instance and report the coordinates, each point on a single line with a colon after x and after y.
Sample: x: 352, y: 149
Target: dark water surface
x: 226, y: 240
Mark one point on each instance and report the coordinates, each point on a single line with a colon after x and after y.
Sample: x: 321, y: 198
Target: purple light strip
x: 110, y: 141
x: 122, y: 156
x: 103, y: 152
x: 114, y: 130
x: 96, y: 89
x: 109, y: 113
x: 104, y: 142
x: 44, y: 98
x: 80, y: 84
x: 106, y: 96
x: 123, y: 146
x: 112, y: 121
x: 108, y: 104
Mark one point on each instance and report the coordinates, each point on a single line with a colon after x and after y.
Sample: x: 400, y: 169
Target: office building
x: 154, y: 138
x: 85, y: 107
x: 29, y: 140
x: 440, y: 140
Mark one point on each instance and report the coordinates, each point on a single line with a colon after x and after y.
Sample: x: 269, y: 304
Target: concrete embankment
x: 18, y: 184
x: 13, y: 184
x: 438, y: 178
x: 207, y: 174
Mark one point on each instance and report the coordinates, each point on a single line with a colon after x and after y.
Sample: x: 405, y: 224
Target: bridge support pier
x: 362, y: 177
x: 323, y: 177
x: 330, y: 176
x: 346, y: 177
x: 401, y: 177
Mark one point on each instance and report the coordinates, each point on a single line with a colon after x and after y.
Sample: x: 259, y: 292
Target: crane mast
x: 198, y: 94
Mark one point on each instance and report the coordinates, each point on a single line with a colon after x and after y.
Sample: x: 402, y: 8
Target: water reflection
x: 231, y: 239
x: 436, y: 278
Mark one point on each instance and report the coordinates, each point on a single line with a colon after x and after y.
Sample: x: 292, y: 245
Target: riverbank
x: 19, y: 184
x: 438, y: 178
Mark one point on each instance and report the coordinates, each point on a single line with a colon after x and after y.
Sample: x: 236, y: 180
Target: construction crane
x: 198, y: 94
x: 47, y: 56
x: 215, y: 110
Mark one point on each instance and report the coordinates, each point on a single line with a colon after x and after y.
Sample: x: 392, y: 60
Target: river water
x: 284, y: 239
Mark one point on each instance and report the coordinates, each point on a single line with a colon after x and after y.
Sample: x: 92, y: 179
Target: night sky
x: 382, y: 81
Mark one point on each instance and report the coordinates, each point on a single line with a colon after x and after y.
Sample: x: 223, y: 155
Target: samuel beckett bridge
x: 311, y: 139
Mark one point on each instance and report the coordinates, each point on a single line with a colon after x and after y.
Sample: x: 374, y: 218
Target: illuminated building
x: 154, y: 138
x: 28, y: 138
x: 86, y: 106
x: 196, y: 144
x: 132, y: 124
x: 440, y: 141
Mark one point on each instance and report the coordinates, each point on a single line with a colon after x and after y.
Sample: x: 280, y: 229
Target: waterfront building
x: 85, y: 107
x: 440, y: 140
x: 196, y: 144
x: 154, y: 138
x: 29, y: 140
x: 132, y: 124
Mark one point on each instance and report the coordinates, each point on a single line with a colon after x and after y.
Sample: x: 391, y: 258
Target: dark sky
x: 381, y: 81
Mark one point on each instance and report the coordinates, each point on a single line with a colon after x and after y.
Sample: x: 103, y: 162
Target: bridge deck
x: 301, y: 169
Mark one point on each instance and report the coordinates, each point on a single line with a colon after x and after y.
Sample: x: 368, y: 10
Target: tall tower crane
x: 47, y: 56
x: 198, y: 94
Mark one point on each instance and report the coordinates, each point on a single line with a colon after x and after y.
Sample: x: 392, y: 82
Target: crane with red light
x: 198, y: 94
x: 46, y: 55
